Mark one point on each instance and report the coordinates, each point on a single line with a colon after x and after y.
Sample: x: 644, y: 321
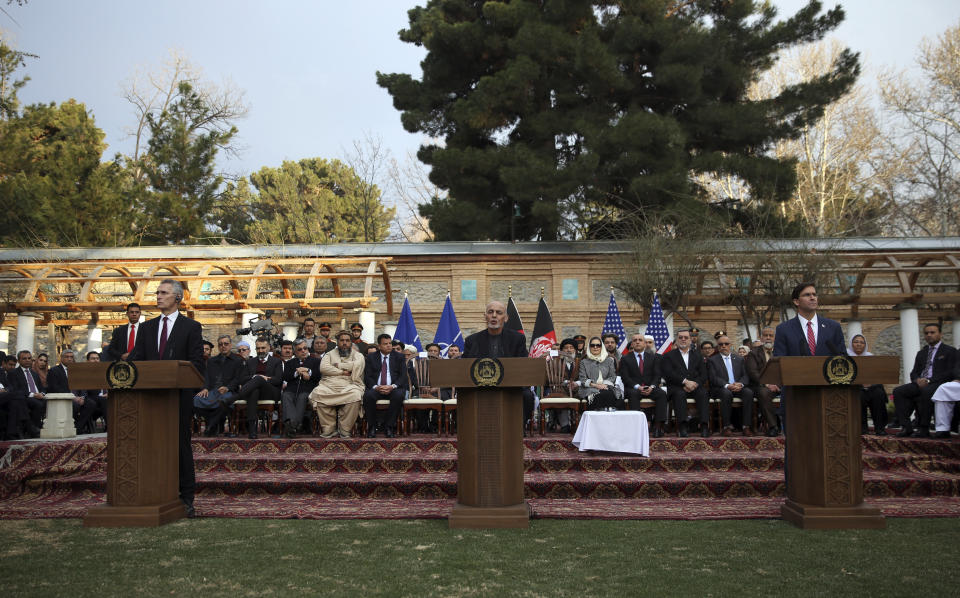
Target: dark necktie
x: 30, y: 383
x: 383, y: 371
x: 640, y: 362
x: 163, y: 338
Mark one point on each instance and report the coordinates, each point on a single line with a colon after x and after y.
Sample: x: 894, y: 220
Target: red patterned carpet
x: 716, y: 478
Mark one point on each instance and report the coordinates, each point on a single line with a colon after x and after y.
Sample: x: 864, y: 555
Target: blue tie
x: 729, y: 363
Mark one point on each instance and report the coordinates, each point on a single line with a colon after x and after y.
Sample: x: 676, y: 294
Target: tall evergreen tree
x: 54, y: 189
x: 545, y: 106
x: 309, y: 201
x: 180, y: 166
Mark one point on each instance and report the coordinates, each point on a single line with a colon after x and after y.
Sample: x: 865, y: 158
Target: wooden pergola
x: 81, y: 292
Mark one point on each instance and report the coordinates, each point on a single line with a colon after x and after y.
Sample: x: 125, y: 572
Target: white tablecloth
x: 615, y: 431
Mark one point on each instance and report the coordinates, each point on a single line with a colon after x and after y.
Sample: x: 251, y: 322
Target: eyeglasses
x: 592, y: 346
x: 723, y: 344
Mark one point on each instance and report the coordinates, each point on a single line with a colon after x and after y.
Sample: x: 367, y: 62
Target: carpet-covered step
x: 762, y: 507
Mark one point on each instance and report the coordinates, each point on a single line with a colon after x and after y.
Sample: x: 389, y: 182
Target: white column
x: 956, y: 332
x: 5, y: 341
x: 94, y: 339
x: 910, y: 339
x: 389, y: 329
x: 748, y: 331
x: 290, y: 330
x: 26, y: 331
x: 368, y: 320
x: 854, y: 327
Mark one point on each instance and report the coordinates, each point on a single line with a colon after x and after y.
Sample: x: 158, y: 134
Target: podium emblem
x: 486, y: 371
x: 839, y: 369
x: 121, y: 374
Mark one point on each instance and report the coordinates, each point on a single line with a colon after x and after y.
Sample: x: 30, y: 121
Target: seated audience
x: 221, y: 383
x: 610, y: 343
x: 707, y: 349
x: 932, y: 367
x: 944, y: 400
x: 640, y: 373
x: 384, y: 379
x: 338, y: 395
x: 300, y: 376
x: 25, y: 381
x: 598, y: 375
x: 686, y: 375
x: 58, y: 382
x: 764, y: 393
x: 728, y: 378
x: 97, y: 395
x: 872, y: 397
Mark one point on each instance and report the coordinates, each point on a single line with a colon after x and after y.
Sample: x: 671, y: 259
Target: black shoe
x: 33, y: 431
x: 773, y: 432
x: 252, y: 435
x: 682, y: 430
x: 704, y: 431
x: 880, y: 431
x: 565, y: 429
x: 905, y: 432
x: 288, y: 430
x: 14, y: 436
x: 945, y: 435
x: 188, y: 506
x: 921, y: 433
x: 230, y: 435
x: 371, y: 433
x: 390, y: 433
x: 658, y: 431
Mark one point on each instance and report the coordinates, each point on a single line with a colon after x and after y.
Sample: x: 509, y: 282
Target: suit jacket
x: 512, y: 344
x: 396, y: 363
x: 674, y: 371
x: 184, y: 342
x: 274, y: 373
x: 590, y: 370
x: 223, y: 370
x: 294, y: 382
x: 630, y: 370
x: 717, y: 371
x: 755, y: 362
x: 18, y: 383
x: 791, y: 339
x: 118, y: 342
x: 57, y: 380
x: 943, y: 363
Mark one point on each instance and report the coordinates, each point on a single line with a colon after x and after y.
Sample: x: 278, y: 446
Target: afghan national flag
x: 513, y: 317
x: 544, y: 335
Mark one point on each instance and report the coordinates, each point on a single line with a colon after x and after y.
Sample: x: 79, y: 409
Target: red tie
x: 163, y: 338
x: 640, y: 362
x: 811, y: 341
x: 133, y: 337
x: 383, y: 371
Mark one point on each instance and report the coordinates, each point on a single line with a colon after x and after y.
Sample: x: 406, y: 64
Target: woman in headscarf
x: 598, y: 375
x: 41, y: 365
x: 872, y: 397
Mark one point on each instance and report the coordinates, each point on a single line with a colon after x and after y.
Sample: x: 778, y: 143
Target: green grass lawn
x: 244, y: 557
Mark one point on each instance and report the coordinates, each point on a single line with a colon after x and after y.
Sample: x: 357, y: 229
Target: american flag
x: 613, y: 324
x: 657, y: 328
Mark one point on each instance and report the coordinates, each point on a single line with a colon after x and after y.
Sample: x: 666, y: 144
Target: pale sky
x: 308, y: 67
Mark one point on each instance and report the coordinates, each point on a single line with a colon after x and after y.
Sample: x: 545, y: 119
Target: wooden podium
x: 824, y: 467
x: 489, y: 442
x: 143, y: 431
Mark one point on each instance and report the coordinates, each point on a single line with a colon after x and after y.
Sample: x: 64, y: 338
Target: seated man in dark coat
x: 384, y: 378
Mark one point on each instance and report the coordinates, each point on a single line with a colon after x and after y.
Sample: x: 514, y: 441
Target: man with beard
x: 497, y: 341
x: 640, y: 373
x: 261, y: 380
x: 755, y: 361
x: 339, y: 393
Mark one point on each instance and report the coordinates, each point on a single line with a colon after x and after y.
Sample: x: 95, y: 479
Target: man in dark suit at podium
x: 174, y: 336
x: 497, y: 341
x: 808, y: 334
x: 384, y: 378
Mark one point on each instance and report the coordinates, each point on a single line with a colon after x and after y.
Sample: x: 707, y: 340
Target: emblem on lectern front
x: 121, y: 374
x: 486, y: 371
x: 839, y: 369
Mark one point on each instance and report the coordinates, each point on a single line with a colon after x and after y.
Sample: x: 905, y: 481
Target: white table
x: 615, y: 431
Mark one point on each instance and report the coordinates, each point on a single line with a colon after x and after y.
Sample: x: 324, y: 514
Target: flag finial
x: 541, y: 292
x: 509, y: 290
